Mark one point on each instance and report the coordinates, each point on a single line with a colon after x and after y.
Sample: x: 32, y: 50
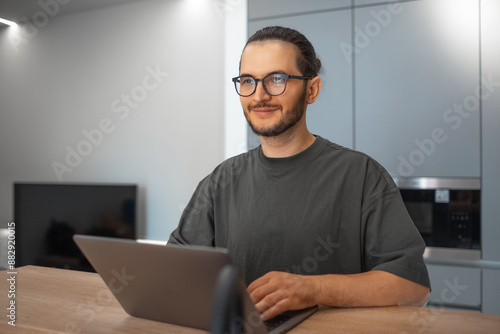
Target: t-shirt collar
x: 295, y: 160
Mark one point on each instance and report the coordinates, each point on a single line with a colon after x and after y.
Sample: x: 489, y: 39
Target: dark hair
x: 307, y: 62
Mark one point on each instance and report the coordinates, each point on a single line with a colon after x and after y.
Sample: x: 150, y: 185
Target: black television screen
x: 48, y: 215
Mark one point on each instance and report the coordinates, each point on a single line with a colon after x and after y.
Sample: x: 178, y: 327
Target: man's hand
x: 277, y: 292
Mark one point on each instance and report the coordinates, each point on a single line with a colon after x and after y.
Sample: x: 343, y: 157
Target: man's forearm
x: 277, y: 292
x: 374, y: 288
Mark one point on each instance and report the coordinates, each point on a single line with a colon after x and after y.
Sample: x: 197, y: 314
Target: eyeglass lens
x: 274, y: 84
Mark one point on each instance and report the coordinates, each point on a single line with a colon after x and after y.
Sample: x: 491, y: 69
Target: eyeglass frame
x: 286, y: 76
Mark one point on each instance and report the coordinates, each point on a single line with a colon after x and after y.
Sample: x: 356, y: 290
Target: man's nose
x: 260, y: 93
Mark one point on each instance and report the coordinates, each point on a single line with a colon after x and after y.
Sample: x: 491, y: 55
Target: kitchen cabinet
x: 455, y: 286
x: 416, y: 87
x: 490, y: 192
x: 491, y: 292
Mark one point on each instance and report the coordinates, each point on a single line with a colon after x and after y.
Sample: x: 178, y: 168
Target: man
x: 307, y: 221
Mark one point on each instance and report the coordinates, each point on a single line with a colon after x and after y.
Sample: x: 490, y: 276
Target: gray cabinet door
x: 416, y: 87
x: 490, y: 45
x: 456, y: 286
x: 491, y: 292
x: 331, y: 115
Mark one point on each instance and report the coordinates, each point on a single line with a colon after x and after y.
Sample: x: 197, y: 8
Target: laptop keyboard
x: 280, y: 319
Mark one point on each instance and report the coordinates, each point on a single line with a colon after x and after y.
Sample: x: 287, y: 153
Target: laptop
x: 172, y: 284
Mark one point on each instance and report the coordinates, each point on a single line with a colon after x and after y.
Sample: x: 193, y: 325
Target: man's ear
x: 313, y: 89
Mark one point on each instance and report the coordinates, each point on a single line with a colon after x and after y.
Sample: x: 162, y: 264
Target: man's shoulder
x: 236, y: 163
x: 342, y: 152
x: 356, y: 160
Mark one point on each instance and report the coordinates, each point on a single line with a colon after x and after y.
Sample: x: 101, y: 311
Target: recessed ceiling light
x: 7, y: 22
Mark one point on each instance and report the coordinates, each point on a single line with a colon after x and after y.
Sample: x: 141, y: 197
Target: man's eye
x: 246, y: 81
x: 278, y: 79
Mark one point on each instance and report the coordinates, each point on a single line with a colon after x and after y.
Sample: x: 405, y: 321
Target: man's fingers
x: 261, y: 288
x: 262, y: 292
x: 277, y: 292
x: 274, y: 310
x: 268, y: 300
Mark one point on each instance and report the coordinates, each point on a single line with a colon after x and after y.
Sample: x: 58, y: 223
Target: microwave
x: 445, y: 211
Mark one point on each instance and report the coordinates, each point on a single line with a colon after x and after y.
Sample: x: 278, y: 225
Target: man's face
x: 272, y: 115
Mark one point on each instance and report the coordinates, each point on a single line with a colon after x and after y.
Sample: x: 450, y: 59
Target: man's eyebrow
x: 273, y: 72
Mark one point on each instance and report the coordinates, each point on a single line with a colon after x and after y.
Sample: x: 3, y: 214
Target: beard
x: 288, y: 120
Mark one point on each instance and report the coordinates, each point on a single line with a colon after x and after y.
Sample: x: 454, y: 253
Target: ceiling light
x: 7, y: 22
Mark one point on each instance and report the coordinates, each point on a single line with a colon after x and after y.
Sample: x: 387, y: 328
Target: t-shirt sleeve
x: 392, y: 242
x: 196, y: 226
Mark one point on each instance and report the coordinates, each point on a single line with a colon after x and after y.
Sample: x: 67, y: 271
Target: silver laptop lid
x: 168, y: 283
x: 164, y: 283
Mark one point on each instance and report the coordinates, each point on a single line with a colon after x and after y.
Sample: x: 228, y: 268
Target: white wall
x: 74, y: 73
x: 236, y: 33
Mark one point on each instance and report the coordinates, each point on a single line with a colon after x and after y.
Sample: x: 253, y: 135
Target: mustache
x: 264, y: 105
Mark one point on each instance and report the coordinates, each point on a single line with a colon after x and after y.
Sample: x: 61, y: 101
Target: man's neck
x: 287, y: 144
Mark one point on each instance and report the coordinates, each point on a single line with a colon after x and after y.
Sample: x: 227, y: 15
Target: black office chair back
x: 227, y: 309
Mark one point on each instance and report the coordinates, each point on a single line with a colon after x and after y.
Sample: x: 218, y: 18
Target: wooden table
x: 62, y: 301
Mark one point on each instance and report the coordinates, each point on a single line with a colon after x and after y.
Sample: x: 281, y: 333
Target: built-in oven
x: 447, y: 214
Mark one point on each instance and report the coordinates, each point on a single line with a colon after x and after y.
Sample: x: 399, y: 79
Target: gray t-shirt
x: 326, y: 210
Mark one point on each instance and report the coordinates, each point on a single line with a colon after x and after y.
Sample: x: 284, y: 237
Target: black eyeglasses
x: 274, y: 84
